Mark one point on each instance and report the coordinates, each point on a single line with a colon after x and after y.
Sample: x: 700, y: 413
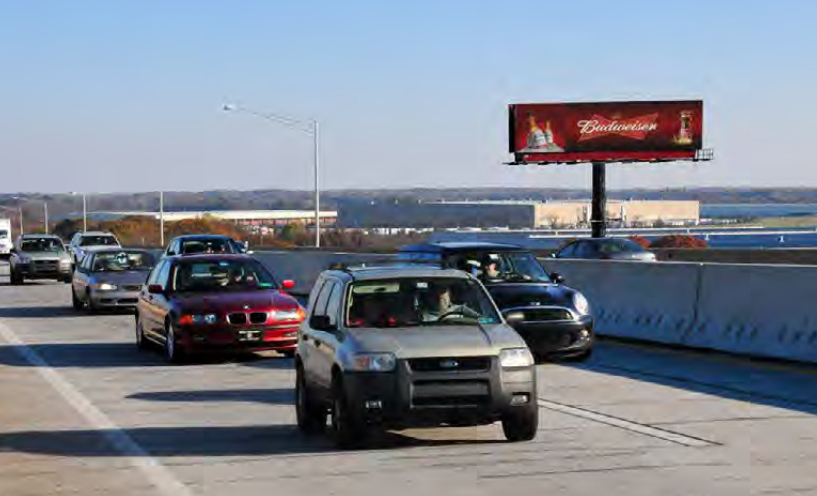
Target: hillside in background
x: 64, y: 205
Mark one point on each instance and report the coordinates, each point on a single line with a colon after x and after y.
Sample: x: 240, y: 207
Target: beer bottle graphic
x: 536, y: 136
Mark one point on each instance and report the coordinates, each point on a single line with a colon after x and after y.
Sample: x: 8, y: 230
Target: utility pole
x: 45, y: 217
x: 317, y: 185
x: 598, y: 215
x: 161, y: 218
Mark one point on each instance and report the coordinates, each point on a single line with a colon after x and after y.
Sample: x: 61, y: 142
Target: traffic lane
x: 227, y: 426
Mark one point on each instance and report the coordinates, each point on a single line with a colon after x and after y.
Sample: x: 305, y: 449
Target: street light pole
x: 309, y: 127
x: 45, y: 217
x: 161, y: 218
x: 84, y: 214
x: 316, y: 158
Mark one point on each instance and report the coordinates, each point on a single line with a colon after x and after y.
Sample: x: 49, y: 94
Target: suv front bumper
x: 406, y: 398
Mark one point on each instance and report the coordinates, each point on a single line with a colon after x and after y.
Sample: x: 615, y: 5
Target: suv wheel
x: 521, y: 423
x: 75, y: 302
x: 141, y: 343
x: 582, y: 357
x: 347, y: 431
x: 172, y: 353
x: 311, y: 415
x: 16, y: 279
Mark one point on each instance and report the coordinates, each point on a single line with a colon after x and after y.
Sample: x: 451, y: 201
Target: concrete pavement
x: 83, y: 412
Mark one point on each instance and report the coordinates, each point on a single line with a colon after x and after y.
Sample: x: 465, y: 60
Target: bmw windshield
x: 204, y: 276
x: 410, y: 301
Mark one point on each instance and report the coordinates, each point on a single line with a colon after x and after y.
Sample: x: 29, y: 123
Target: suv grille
x: 458, y: 364
x: 237, y: 318
x: 442, y: 394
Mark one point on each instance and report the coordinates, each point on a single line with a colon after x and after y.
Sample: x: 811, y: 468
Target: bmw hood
x: 239, y: 301
x: 526, y: 295
x: 437, y: 341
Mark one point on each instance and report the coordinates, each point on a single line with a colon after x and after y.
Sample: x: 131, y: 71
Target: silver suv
x: 398, y: 347
x: 82, y: 241
x: 39, y: 256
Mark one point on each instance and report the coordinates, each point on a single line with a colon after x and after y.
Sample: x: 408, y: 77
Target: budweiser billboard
x: 606, y: 131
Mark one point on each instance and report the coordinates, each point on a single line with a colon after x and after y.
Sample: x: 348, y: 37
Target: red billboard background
x: 608, y: 131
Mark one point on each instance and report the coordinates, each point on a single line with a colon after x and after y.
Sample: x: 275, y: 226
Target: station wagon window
x: 334, y: 303
x: 154, y: 274
x: 323, y: 298
x: 163, y: 275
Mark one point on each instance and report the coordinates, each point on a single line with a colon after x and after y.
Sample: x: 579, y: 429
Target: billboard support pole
x: 598, y: 215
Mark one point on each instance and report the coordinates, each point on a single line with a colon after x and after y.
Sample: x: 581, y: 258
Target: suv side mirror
x: 287, y: 284
x: 557, y: 278
x: 514, y: 318
x: 321, y: 323
x: 156, y: 289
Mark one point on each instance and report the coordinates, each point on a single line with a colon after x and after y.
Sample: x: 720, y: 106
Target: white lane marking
x: 159, y: 475
x: 647, y: 430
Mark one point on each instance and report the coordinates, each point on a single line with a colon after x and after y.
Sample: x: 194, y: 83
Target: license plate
x: 249, y: 335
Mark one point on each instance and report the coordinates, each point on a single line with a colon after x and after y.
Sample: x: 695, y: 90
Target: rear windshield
x: 222, y: 275
x: 42, y: 245
x: 619, y: 246
x: 212, y: 245
x: 123, y: 261
x: 98, y: 241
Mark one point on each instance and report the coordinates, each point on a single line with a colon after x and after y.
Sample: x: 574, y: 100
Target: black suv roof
x: 202, y: 236
x: 451, y: 246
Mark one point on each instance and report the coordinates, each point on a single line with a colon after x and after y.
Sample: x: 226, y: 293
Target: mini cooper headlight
x: 580, y: 304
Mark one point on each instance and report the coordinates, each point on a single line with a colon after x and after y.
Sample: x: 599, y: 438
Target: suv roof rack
x: 379, y: 264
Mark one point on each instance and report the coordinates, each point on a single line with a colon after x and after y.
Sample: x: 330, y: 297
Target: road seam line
x: 159, y: 475
x: 648, y: 430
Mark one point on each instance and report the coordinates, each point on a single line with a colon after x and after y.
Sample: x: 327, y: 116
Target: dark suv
x: 397, y: 347
x: 557, y: 319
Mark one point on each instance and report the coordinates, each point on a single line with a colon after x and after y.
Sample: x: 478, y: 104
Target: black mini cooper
x: 558, y: 322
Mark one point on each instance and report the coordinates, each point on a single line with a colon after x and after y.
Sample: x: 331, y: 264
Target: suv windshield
x: 42, y: 245
x: 431, y: 301
x: 211, y: 245
x: 123, y: 261
x: 98, y: 241
x: 493, y: 267
x: 222, y: 275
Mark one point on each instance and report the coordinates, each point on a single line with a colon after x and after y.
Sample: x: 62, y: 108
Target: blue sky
x: 111, y: 95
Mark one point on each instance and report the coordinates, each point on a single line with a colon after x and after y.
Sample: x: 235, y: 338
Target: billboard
x: 606, y: 131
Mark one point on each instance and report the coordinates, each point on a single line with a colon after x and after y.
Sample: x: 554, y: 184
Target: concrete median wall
x: 760, y: 310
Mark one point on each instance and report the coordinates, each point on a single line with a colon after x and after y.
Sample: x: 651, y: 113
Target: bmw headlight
x: 104, y: 286
x: 515, y: 357
x: 580, y: 304
x: 374, y: 362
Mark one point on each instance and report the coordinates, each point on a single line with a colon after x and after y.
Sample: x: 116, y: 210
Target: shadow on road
x: 124, y: 354
x: 51, y: 312
x: 199, y: 441
x: 789, y: 386
x: 268, y: 396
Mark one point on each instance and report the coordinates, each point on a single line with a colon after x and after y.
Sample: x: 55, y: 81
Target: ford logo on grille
x: 449, y: 364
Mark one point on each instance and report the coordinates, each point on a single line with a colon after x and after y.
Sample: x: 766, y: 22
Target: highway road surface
x: 82, y: 412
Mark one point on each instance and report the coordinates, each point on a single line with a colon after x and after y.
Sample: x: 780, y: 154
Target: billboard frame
x: 599, y: 159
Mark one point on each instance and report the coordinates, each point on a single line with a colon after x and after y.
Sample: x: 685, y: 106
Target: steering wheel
x: 461, y: 311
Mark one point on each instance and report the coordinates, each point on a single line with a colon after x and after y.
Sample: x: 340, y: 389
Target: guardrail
x: 761, y: 310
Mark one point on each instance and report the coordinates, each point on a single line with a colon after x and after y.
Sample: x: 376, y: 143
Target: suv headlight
x: 23, y: 259
x: 374, y: 362
x: 580, y: 304
x: 515, y: 357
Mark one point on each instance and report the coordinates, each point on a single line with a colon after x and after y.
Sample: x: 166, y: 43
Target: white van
x: 5, y: 238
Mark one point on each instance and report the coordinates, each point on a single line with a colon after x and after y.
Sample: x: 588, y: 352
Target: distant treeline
x: 64, y: 205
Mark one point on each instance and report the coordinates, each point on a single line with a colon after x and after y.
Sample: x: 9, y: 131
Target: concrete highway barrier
x: 761, y: 310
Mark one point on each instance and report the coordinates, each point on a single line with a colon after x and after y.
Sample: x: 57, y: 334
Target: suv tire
x: 16, y: 279
x: 311, y: 415
x: 75, y: 302
x: 521, y: 423
x: 347, y: 431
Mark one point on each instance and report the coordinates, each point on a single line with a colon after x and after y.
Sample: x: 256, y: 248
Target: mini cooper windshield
x: 221, y: 275
x: 413, y: 301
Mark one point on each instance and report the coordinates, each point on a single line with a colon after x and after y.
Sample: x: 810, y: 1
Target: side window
x: 163, y: 275
x: 154, y: 274
x: 323, y: 298
x: 334, y: 303
x: 85, y: 265
x: 586, y: 249
x: 568, y: 251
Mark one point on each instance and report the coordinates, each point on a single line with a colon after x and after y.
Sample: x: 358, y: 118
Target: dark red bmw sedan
x: 216, y: 303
